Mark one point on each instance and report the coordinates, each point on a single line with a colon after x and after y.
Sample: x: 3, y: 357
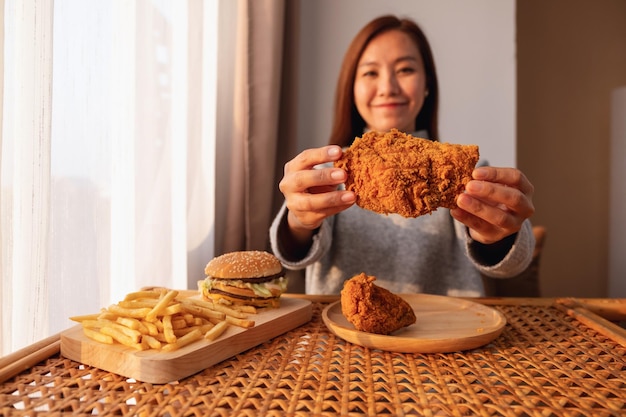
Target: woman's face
x: 390, y: 83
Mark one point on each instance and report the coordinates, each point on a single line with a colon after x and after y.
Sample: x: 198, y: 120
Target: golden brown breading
x: 374, y: 309
x: 397, y: 173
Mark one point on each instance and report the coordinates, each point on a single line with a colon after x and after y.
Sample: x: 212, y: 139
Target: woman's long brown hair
x: 348, y: 123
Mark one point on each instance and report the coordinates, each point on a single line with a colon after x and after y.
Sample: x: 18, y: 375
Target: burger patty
x: 253, y: 280
x: 235, y: 295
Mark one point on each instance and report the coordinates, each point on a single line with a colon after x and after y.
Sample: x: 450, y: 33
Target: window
x: 108, y: 150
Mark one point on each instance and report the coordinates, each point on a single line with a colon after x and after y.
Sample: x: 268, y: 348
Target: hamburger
x: 253, y: 278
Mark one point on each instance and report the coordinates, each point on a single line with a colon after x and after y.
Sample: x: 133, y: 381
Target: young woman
x: 388, y: 80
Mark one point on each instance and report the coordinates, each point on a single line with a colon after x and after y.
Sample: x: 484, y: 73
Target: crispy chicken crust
x: 374, y: 309
x: 397, y: 173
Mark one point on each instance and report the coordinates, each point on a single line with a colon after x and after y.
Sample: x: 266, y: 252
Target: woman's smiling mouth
x: 389, y: 105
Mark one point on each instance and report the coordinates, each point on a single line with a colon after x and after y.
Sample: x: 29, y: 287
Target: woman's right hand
x: 312, y: 194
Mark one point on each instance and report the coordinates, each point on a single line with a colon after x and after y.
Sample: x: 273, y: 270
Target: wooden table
x: 556, y: 357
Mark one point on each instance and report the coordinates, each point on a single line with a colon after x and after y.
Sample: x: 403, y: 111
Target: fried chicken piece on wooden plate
x: 374, y: 309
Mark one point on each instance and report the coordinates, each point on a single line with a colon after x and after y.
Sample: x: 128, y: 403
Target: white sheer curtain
x: 107, y: 155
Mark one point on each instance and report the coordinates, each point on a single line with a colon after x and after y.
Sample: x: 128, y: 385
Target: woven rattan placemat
x: 545, y: 363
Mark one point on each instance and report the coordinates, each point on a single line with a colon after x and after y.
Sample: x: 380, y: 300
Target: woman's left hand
x: 495, y: 203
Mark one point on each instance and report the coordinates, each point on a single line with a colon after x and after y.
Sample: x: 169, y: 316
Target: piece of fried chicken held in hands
x: 395, y: 172
x: 374, y: 309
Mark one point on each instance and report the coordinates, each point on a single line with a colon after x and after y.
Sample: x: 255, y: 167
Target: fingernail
x: 334, y: 151
x: 463, y: 200
x: 474, y: 186
x: 479, y: 173
x: 348, y: 197
x: 337, y: 174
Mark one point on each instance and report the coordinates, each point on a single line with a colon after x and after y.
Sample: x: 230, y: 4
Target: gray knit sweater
x: 428, y: 254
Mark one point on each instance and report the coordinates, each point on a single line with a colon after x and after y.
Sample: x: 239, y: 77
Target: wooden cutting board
x: 163, y: 367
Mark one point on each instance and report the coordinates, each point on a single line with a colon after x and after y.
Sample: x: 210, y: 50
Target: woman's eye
x: 369, y: 74
x: 406, y: 70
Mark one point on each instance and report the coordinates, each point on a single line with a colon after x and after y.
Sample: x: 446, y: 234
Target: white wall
x: 474, y: 48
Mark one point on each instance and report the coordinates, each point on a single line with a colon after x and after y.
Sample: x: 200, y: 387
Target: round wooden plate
x: 444, y: 324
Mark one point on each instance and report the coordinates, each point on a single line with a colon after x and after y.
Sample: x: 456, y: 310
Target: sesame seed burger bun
x: 244, y: 264
x: 246, y: 277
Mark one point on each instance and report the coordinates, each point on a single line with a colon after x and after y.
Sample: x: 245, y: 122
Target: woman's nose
x: 388, y: 85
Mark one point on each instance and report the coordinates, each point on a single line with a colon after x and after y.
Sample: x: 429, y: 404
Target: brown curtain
x: 264, y: 121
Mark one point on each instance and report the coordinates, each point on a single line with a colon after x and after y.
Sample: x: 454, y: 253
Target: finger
x: 305, y: 180
x: 494, y: 215
x: 310, y: 210
x: 497, y: 195
x: 309, y: 158
x: 324, y: 202
x: 511, y: 177
x: 480, y: 229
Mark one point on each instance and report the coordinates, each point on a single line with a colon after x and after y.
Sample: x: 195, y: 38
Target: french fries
x: 161, y: 319
x: 216, y: 331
